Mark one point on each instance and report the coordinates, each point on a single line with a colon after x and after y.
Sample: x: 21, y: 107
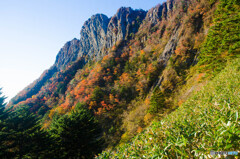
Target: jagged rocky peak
x: 159, y: 12
x: 67, y: 54
x: 156, y: 14
x: 93, y: 35
x: 170, y: 4
x: 123, y: 23
x: 100, y: 32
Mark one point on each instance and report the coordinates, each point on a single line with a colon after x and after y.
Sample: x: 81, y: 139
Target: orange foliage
x: 142, y: 52
x: 92, y: 104
x: 51, y: 113
x: 199, y: 77
x: 116, y: 100
x: 125, y: 79
x: 115, y: 70
x: 150, y: 69
x: 117, y: 59
x: 140, y: 129
x: 108, y: 78
x: 100, y: 111
x: 147, y: 101
x: 124, y: 55
x: 180, y: 102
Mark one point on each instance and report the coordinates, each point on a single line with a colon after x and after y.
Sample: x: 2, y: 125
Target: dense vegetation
x: 223, y: 40
x: 170, y: 90
x: 209, y: 120
x: 74, y: 135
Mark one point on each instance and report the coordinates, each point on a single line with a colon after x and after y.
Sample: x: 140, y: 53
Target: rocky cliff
x: 67, y: 54
x: 98, y: 32
x: 124, y: 23
x: 98, y: 35
x: 93, y: 35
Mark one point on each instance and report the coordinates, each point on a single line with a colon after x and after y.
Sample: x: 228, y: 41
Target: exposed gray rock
x: 170, y: 4
x: 154, y: 15
x: 170, y: 47
x: 122, y: 24
x: 67, y: 54
x: 159, y: 12
x: 100, y: 32
x: 93, y: 35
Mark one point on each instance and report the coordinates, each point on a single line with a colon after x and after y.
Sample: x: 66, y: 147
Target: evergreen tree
x: 3, y: 128
x: 25, y: 137
x: 223, y: 40
x: 157, y: 101
x: 78, y: 134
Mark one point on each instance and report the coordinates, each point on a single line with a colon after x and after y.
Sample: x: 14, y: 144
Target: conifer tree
x: 78, y: 134
x: 25, y: 137
x: 157, y: 101
x: 3, y: 127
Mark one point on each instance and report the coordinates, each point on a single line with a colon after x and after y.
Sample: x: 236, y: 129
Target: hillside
x: 208, y: 120
x: 158, y: 82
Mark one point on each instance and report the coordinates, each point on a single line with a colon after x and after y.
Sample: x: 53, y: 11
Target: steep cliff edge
x: 93, y: 35
x: 98, y: 35
x: 67, y: 54
x: 124, y: 23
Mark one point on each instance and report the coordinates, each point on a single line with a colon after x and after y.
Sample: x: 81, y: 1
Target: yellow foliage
x: 92, y: 104
x: 51, y: 113
x: 34, y: 96
x: 111, y: 98
x: 147, y: 101
x: 139, y: 130
x: 46, y: 125
x: 180, y: 102
x: 148, y: 118
x: 61, y: 110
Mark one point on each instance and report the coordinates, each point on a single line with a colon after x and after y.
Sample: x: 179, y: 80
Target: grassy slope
x: 209, y: 120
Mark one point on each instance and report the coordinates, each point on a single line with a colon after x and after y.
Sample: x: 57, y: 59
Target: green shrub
x: 157, y: 101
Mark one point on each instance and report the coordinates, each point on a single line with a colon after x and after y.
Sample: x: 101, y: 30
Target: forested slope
x: 143, y: 66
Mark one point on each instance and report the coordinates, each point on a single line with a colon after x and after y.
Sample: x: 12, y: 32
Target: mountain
x: 139, y: 67
x: 97, y: 34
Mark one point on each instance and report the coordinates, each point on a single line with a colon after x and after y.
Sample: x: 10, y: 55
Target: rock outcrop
x: 67, y: 54
x: 93, y: 35
x: 155, y: 14
x: 170, y: 47
x: 100, y: 32
x: 122, y: 24
x: 159, y: 12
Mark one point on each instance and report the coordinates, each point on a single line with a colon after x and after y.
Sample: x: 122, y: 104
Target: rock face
x: 93, y: 35
x: 154, y: 15
x: 100, y: 32
x: 159, y: 12
x: 170, y: 4
x: 67, y: 54
x: 170, y: 47
x: 122, y: 24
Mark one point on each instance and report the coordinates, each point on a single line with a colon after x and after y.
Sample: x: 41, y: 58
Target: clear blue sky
x: 33, y: 31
